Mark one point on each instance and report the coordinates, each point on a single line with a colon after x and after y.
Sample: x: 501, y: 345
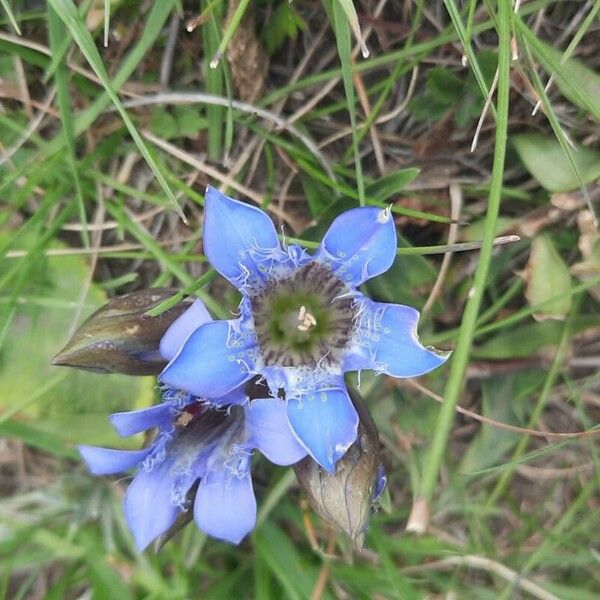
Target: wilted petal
x: 225, y: 506
x: 120, y: 337
x: 360, y: 244
x: 182, y: 327
x: 269, y: 431
x: 240, y: 241
x: 107, y: 461
x: 136, y: 421
x: 212, y: 362
x: 390, y: 344
x: 325, y: 423
x: 344, y: 498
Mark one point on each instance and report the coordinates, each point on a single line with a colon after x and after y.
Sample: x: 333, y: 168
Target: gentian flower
x: 195, y: 442
x: 205, y: 440
x: 302, y: 320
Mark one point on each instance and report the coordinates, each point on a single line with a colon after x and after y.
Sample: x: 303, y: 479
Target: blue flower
x: 302, y: 321
x: 196, y: 442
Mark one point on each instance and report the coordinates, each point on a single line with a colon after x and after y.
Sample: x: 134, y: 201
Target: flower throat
x: 303, y: 319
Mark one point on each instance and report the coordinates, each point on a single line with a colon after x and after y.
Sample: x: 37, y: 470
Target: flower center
x: 304, y: 318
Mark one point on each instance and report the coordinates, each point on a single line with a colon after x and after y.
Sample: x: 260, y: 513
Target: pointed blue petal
x: 215, y: 359
x: 225, y: 506
x: 182, y: 327
x: 325, y: 423
x: 107, y: 461
x: 360, y: 244
x: 149, y: 506
x: 269, y: 431
x: 240, y: 241
x: 136, y: 421
x: 391, y: 344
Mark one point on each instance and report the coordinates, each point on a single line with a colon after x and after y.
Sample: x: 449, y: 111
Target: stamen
x: 306, y: 319
x: 303, y: 319
x: 183, y: 419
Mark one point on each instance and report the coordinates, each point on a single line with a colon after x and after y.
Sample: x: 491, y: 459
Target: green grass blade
x: 557, y: 129
x: 348, y: 8
x: 233, y: 24
x: 106, y: 21
x: 542, y: 400
x: 215, y: 79
x: 582, y: 89
x: 465, y: 39
x: 342, y: 36
x: 10, y: 15
x: 460, y: 358
x: 56, y: 35
x: 67, y: 11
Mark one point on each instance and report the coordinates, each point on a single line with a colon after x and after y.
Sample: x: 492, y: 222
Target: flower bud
x: 120, y: 337
x: 344, y: 499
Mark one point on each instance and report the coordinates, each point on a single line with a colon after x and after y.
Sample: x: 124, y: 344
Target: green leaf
x: 33, y: 435
x: 105, y: 579
x: 71, y: 405
x: 547, y: 275
x: 189, y: 120
x: 491, y: 443
x: 163, y: 124
x: 545, y: 160
x: 527, y: 340
x: 285, y: 22
x: 318, y: 196
x: 402, y: 281
x: 391, y: 184
x: 286, y: 563
x: 445, y: 85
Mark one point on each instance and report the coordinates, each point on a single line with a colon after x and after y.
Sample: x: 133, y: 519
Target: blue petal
x: 136, y: 421
x: 215, y: 359
x: 236, y: 397
x: 380, y: 483
x: 181, y: 329
x: 240, y: 241
x: 325, y: 423
x: 225, y: 505
x: 149, y: 506
x: 360, y: 244
x: 390, y: 342
x: 106, y: 461
x: 269, y: 431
